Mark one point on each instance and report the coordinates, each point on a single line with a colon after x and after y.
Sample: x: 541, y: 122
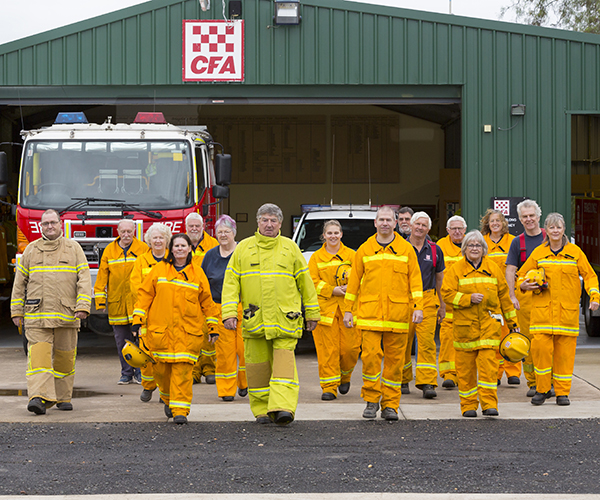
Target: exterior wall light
x: 287, y: 12
x: 517, y: 110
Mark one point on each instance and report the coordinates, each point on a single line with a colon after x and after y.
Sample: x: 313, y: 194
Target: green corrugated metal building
x: 448, y: 77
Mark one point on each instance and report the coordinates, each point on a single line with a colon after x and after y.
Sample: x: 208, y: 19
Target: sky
x: 28, y: 17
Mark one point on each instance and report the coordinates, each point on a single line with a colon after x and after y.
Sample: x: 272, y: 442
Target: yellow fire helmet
x: 136, y: 357
x: 514, y: 347
x: 342, y: 274
x: 538, y: 276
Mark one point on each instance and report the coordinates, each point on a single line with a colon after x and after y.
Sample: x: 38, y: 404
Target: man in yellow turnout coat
x: 113, y: 290
x: 385, y: 277
x: 268, y: 273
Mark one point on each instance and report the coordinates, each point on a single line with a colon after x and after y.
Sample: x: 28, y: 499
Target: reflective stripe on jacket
x: 324, y: 267
x: 112, y: 283
x: 271, y: 277
x: 474, y: 326
x: 499, y: 251
x: 52, y: 283
x: 556, y: 309
x: 384, y: 280
x: 174, y: 305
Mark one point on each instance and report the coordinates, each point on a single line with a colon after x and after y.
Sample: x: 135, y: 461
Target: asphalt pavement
x: 113, y: 445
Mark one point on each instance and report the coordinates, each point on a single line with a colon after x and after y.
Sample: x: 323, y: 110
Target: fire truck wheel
x: 98, y: 323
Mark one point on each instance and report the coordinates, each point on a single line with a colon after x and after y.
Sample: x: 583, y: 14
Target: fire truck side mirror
x: 3, y: 174
x: 220, y: 192
x: 223, y: 171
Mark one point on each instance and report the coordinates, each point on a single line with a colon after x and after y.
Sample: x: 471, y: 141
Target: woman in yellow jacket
x: 555, y: 312
x: 174, y: 301
x: 494, y: 227
x: 476, y: 289
x: 337, y: 346
x: 157, y: 238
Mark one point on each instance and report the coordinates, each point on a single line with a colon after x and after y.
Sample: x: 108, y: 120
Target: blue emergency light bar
x: 70, y: 118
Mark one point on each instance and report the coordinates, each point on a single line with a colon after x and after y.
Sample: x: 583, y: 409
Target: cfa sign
x: 213, y: 51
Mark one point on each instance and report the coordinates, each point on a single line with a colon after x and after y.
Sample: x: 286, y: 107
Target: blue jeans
x: 123, y: 333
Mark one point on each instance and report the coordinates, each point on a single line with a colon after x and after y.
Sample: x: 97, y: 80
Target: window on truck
x: 156, y: 175
x: 356, y: 232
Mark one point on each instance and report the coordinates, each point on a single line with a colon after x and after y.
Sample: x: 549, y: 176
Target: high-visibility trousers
x: 477, y: 383
x: 524, y: 318
x: 426, y: 373
x: 554, y: 360
x: 446, y: 357
x: 382, y: 387
x: 207, y: 359
x: 147, y: 372
x: 51, y: 363
x: 272, y: 375
x: 230, y: 368
x: 175, y: 384
x: 511, y: 369
x: 338, y: 348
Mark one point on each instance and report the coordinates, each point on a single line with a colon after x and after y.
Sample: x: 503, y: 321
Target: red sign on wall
x: 213, y: 51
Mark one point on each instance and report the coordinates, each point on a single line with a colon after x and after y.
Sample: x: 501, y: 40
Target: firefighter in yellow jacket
x: 494, y: 227
x: 475, y: 288
x: 202, y: 242
x: 268, y: 273
x: 451, y: 246
x: 157, y: 238
x: 385, y: 277
x: 337, y: 347
x: 113, y: 291
x: 173, y: 301
x: 51, y: 294
x: 555, y: 309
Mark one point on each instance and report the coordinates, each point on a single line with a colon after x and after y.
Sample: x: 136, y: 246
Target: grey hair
x: 420, y: 215
x: 456, y: 218
x: 476, y: 237
x: 125, y: 220
x: 555, y: 219
x: 162, y: 229
x: 194, y: 216
x: 269, y: 209
x: 529, y: 204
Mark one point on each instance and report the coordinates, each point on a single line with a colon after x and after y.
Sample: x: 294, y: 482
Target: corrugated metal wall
x: 366, y: 51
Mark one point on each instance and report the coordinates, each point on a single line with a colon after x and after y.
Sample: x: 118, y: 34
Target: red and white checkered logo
x: 213, y: 51
x: 502, y: 206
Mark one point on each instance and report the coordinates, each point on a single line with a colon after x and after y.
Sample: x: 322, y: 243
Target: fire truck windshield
x: 154, y: 175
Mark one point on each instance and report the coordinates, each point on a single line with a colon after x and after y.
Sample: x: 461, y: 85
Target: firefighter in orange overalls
x: 174, y: 301
x: 202, y: 242
x: 157, y: 238
x: 450, y: 245
x: 494, y: 227
x: 474, y: 287
x: 337, y: 347
x: 385, y: 277
x: 555, y: 309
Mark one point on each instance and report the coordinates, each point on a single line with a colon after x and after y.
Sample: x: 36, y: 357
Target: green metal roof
x: 351, y: 52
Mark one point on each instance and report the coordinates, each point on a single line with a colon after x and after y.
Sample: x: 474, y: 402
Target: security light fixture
x: 287, y: 12
x: 517, y: 110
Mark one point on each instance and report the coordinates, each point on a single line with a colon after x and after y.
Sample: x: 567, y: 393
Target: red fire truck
x: 95, y: 175
x: 587, y: 233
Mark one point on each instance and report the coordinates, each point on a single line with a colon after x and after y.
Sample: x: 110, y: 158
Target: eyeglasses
x: 456, y: 229
x: 50, y: 223
x: 474, y: 246
x: 223, y: 232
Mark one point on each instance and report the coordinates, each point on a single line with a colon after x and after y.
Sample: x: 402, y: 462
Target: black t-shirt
x: 214, y: 267
x: 514, y: 253
x: 425, y: 258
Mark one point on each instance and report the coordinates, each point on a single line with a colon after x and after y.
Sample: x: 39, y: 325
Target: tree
x: 576, y: 15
